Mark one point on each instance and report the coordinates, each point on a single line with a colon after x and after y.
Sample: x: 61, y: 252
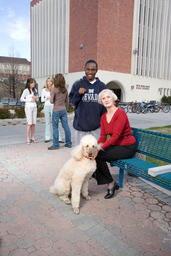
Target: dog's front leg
x: 75, y: 197
x: 84, y: 190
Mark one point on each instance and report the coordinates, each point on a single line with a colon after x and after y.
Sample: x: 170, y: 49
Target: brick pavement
x: 136, y: 222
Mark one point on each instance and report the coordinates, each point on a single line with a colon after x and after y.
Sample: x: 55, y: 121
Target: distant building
x: 19, y: 66
x: 129, y: 39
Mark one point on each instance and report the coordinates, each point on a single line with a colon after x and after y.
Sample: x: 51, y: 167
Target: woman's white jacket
x: 27, y: 98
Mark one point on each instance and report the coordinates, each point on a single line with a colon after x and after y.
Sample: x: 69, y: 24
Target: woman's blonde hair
x: 52, y: 85
x: 113, y: 95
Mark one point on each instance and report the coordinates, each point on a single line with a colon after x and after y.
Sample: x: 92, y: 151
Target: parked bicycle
x: 121, y: 105
x: 124, y: 107
x: 133, y: 107
x: 141, y: 107
x: 156, y: 106
x: 152, y: 107
x: 165, y: 107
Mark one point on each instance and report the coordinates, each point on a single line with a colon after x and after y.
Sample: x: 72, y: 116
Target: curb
x: 22, y: 121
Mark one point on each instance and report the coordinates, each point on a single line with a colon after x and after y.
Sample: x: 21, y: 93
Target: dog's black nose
x: 90, y: 154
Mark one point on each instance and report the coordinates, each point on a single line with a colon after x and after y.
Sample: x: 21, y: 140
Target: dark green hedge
x: 20, y: 113
x: 166, y: 99
x: 5, y: 113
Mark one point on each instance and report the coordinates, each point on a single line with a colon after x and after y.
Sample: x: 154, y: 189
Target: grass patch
x: 165, y: 130
x: 156, y: 161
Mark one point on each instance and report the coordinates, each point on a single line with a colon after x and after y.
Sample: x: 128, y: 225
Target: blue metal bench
x: 153, y: 144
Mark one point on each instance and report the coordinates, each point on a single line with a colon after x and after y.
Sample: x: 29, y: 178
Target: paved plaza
x: 136, y: 222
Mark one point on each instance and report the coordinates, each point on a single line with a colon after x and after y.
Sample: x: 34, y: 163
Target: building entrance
x: 116, y: 88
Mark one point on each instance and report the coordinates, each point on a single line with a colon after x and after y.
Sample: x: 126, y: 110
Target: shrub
x: 70, y: 108
x: 166, y: 99
x: 19, y: 112
x: 40, y: 106
x: 5, y: 113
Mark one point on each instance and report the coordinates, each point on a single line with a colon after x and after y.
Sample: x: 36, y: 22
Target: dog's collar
x: 90, y: 158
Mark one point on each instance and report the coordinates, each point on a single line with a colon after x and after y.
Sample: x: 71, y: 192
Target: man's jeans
x: 62, y: 115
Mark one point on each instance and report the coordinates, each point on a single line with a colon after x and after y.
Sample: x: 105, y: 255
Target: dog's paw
x: 87, y: 197
x: 67, y: 201
x: 52, y: 190
x: 76, y: 210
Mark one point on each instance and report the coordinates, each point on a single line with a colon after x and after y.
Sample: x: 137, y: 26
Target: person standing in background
x: 48, y: 108
x: 30, y: 96
x: 59, y: 96
x: 84, y: 98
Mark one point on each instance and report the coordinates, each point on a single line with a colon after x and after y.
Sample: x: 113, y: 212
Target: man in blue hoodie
x: 84, y: 97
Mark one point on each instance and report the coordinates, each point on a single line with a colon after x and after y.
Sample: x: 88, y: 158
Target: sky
x: 15, y: 28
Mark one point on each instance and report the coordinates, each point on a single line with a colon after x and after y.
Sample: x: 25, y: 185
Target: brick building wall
x: 83, y: 30
x: 105, y: 30
x: 33, y: 2
x: 115, y: 23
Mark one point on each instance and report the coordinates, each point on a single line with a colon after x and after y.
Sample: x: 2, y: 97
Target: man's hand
x: 82, y: 90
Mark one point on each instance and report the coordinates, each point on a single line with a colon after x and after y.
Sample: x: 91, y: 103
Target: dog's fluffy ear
x: 77, y: 153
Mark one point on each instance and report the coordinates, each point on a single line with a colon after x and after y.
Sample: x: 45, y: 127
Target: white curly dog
x: 74, y: 176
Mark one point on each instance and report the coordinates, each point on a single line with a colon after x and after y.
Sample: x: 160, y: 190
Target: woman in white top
x: 30, y: 96
x: 48, y: 108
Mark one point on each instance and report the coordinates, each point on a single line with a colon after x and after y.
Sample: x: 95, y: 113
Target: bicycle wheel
x: 151, y: 109
x: 165, y: 108
x: 126, y: 109
x: 156, y: 108
x: 134, y: 108
x: 138, y: 109
x: 130, y: 109
x: 143, y: 110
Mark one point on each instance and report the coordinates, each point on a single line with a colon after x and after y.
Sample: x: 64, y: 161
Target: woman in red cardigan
x: 120, y: 145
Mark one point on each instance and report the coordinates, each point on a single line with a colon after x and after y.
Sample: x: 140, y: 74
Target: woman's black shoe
x: 111, y: 192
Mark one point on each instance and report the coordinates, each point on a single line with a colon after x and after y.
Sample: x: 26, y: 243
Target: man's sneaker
x: 53, y: 148
x: 68, y: 146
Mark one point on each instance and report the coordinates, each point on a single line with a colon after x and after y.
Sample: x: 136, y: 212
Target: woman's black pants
x: 110, y: 154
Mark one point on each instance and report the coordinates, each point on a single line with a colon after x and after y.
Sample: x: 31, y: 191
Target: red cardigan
x: 117, y: 128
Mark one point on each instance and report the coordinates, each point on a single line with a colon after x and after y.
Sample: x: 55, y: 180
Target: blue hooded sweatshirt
x: 87, y: 109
